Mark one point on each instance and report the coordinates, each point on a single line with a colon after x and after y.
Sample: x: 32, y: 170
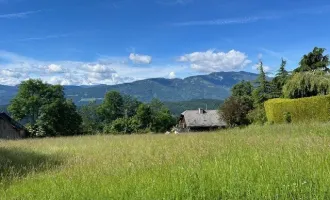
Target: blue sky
x: 115, y: 41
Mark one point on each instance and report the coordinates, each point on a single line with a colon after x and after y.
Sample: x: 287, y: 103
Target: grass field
x: 270, y: 162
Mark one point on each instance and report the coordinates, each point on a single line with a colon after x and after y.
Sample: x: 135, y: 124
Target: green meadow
x: 257, y: 162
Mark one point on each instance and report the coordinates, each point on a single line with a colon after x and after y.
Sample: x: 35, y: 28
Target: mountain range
x: 212, y: 86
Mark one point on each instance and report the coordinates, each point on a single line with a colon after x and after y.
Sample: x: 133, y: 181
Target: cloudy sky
x: 84, y: 42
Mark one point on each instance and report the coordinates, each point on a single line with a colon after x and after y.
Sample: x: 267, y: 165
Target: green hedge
x: 305, y: 109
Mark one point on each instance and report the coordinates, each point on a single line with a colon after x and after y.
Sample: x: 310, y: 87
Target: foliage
x: 91, y: 122
x: 112, y: 107
x: 243, y: 88
x: 123, y: 126
x: 46, y: 108
x: 314, y: 60
x: 265, y: 90
x: 35, y: 131
x: 303, y: 109
x: 32, y: 96
x: 280, y: 79
x: 257, y: 115
x: 307, y: 84
x: 60, y: 118
x: 287, y: 117
x: 131, y: 105
x: 235, y: 109
x: 144, y: 115
x: 162, y: 121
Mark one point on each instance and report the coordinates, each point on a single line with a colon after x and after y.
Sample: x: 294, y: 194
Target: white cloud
x: 18, y: 15
x: 15, y: 68
x: 172, y: 75
x: 220, y: 21
x: 212, y: 61
x: 140, y: 59
x: 316, y: 10
x: 53, y: 68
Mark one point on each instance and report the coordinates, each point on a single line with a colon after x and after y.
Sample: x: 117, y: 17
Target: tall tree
x: 260, y: 93
x: 28, y: 101
x: 235, y: 110
x: 60, y: 117
x: 243, y: 88
x: 307, y: 84
x: 280, y: 78
x: 131, y: 105
x: 45, y: 107
x: 91, y: 122
x: 314, y: 60
x: 112, y: 107
x: 144, y: 115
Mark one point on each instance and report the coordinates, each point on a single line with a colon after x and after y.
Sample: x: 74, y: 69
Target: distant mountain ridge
x: 212, y: 86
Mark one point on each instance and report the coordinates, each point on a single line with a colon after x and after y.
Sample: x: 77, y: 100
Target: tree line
x: 46, y: 112
x: 246, y: 104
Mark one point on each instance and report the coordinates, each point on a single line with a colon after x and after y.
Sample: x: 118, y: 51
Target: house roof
x: 206, y: 118
x: 14, y: 123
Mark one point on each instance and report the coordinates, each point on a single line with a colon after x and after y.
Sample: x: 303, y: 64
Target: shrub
x: 122, y: 126
x: 235, y: 110
x: 296, y: 110
x: 257, y: 116
x: 287, y: 117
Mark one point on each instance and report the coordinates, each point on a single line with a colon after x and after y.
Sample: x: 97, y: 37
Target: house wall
x: 8, y: 132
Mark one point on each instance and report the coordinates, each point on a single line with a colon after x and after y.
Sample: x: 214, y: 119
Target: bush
x: 257, y: 116
x: 123, y: 126
x: 235, y: 109
x: 35, y: 131
x: 297, y: 110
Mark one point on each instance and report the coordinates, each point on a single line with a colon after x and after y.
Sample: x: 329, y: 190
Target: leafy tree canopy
x: 112, y: 107
x: 243, y: 88
x: 307, y: 84
x: 46, y: 108
x: 315, y: 60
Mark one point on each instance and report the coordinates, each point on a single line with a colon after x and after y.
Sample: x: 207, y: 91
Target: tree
x: 235, y: 109
x: 156, y: 105
x: 130, y: 105
x: 280, y: 78
x: 314, y: 60
x: 243, y: 88
x: 162, y: 121
x: 260, y: 93
x: 265, y: 90
x: 30, y: 98
x: 45, y: 108
x: 60, y: 117
x: 123, y: 126
x: 144, y: 115
x: 112, y: 107
x: 307, y: 84
x: 91, y: 122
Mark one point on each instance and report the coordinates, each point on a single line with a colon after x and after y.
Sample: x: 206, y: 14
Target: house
x: 10, y: 129
x: 201, y: 120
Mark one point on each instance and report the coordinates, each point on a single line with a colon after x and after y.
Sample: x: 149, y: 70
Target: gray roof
x: 208, y: 118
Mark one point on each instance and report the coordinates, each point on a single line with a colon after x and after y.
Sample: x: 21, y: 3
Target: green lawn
x: 270, y: 162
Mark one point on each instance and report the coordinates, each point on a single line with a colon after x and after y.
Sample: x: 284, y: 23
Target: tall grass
x: 270, y: 162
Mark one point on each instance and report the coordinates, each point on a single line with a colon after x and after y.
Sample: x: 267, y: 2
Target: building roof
x: 203, y: 118
x: 14, y: 123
